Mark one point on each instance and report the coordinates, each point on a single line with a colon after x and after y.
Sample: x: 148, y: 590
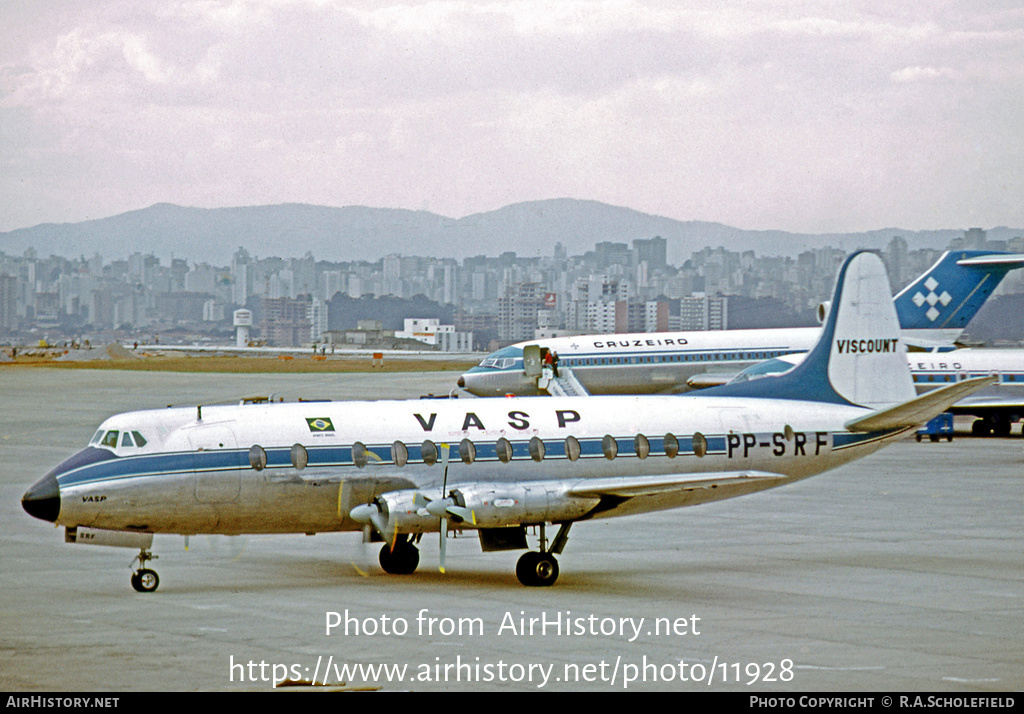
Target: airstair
x: 565, y: 385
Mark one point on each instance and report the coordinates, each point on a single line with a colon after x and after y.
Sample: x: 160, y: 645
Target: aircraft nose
x: 462, y: 382
x: 43, y: 499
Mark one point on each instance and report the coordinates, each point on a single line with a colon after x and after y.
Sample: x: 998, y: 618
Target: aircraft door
x: 216, y: 464
x: 532, y: 361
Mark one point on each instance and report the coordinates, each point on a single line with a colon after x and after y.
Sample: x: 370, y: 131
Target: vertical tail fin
x: 859, y: 358
x: 937, y: 306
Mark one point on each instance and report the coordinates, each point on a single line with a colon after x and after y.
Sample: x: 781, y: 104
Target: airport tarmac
x: 900, y: 572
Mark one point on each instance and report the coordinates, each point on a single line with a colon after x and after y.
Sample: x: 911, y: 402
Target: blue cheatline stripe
x: 844, y: 440
x: 584, y: 361
x: 191, y: 462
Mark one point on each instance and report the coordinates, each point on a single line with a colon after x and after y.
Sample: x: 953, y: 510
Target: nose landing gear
x: 144, y: 580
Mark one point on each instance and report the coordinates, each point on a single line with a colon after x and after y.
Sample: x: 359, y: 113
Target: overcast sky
x: 775, y: 114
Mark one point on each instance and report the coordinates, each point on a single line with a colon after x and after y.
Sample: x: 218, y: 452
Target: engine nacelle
x: 402, y: 512
x: 822, y: 312
x: 480, y: 505
x: 503, y: 505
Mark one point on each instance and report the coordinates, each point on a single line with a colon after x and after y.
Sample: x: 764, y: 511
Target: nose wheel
x: 144, y: 580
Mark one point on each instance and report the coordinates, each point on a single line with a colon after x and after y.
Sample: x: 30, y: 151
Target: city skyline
x: 615, y: 287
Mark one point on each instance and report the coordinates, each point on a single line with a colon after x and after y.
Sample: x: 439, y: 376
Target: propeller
x: 369, y: 514
x: 444, y: 507
x: 445, y: 449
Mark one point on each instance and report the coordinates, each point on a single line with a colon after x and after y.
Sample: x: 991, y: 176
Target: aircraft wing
x: 631, y: 487
x: 920, y: 409
x: 973, y: 405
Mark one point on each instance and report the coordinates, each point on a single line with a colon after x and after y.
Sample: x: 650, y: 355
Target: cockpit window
x: 498, y: 363
x: 139, y: 441
x: 96, y: 437
x: 504, y: 358
x: 126, y: 439
x: 111, y: 439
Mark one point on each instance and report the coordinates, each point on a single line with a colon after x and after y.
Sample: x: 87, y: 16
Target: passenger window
x: 609, y: 446
x: 399, y: 454
x: 671, y: 446
x: 504, y: 450
x: 257, y: 457
x: 300, y: 457
x: 700, y: 444
x: 642, y: 446
x: 139, y: 441
x: 428, y: 451
x: 111, y: 439
x: 360, y: 455
x: 467, y: 451
x: 572, y: 448
x: 536, y: 449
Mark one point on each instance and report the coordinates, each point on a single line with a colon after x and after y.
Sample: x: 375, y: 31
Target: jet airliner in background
x: 383, y: 467
x: 933, y: 311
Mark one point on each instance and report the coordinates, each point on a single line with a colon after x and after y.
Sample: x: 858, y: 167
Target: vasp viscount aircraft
x: 382, y: 467
x: 933, y: 311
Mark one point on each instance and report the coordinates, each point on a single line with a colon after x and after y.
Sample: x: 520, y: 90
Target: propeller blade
x: 444, y: 541
x: 461, y: 514
x: 442, y: 505
x: 361, y: 561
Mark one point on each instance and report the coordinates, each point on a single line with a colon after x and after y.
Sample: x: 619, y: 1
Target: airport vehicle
x: 940, y: 426
x: 933, y: 311
x: 384, y: 467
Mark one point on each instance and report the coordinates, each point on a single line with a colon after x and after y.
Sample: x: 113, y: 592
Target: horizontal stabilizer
x: 920, y: 409
x: 630, y: 487
x: 994, y: 259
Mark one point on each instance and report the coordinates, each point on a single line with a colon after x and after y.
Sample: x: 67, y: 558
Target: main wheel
x: 145, y: 580
x: 402, y: 559
x: 536, y: 569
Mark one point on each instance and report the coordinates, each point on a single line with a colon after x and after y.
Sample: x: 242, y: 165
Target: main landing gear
x: 994, y: 425
x: 400, y: 558
x: 535, y: 568
x: 145, y: 580
x: 539, y: 568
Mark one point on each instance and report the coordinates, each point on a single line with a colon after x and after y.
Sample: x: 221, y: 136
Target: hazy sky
x: 788, y: 114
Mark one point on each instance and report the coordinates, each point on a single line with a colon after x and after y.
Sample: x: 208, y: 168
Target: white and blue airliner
x: 933, y: 311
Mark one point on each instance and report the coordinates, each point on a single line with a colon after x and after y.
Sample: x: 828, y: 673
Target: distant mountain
x: 362, y: 233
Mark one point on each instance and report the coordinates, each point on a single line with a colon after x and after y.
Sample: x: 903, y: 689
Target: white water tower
x: 243, y: 321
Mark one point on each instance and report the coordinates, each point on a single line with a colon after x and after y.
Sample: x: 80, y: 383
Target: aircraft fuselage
x: 285, y: 468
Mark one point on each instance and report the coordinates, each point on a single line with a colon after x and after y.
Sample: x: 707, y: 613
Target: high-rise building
x: 700, y: 311
x: 8, y: 302
x: 285, y: 322
x: 517, y: 311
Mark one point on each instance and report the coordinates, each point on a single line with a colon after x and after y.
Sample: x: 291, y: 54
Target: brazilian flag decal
x: 319, y: 424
